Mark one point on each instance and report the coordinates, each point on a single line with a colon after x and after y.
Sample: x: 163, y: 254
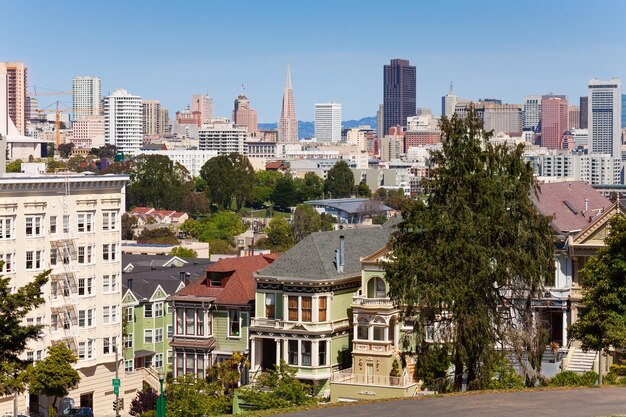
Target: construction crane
x: 57, y: 122
x: 49, y: 92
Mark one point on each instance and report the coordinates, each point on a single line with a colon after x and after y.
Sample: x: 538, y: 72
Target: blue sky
x: 170, y: 50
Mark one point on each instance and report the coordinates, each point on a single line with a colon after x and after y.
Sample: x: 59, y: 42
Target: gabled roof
x: 595, y: 233
x: 314, y: 258
x: 571, y: 204
x: 240, y: 285
x: 141, y: 210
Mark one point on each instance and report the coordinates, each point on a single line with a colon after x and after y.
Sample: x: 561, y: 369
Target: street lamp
x: 160, y: 405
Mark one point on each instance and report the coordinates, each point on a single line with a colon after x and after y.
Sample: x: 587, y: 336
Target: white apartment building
x: 531, y: 112
x: 85, y: 96
x: 123, y: 121
x: 88, y: 132
x: 224, y: 138
x: 604, y: 116
x: 595, y: 169
x: 328, y: 122
x: 192, y: 159
x: 70, y: 224
x: 152, y: 118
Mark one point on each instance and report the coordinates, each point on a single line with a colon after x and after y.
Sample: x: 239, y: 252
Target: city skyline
x: 490, y: 51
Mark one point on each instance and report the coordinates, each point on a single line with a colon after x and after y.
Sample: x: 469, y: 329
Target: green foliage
x: 264, y: 184
x: 327, y: 222
x: 106, y: 151
x: 149, y: 413
x: 395, y: 198
x: 379, y: 219
x: 129, y: 223
x: 65, y: 149
x: 222, y: 247
x: 619, y: 370
x: 278, y: 388
x: 602, y: 321
x: 285, y: 194
x: 433, y: 362
x: 279, y: 237
x: 339, y: 181
x: 395, y: 369
x: 223, y: 225
x: 363, y: 190
x: 572, y: 379
x: 54, y: 376
x: 160, y: 235
x: 227, y: 373
x: 478, y: 238
x: 228, y: 177
x: 306, y: 220
x: 310, y: 187
x: 14, y: 335
x: 156, y: 181
x: 187, y: 396
x: 504, y: 376
x: 183, y: 252
x: 14, y: 166
x: 144, y: 402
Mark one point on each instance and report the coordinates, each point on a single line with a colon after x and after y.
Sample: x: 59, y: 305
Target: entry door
x: 369, y: 373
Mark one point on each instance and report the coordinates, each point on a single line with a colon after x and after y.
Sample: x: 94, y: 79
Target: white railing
x: 346, y: 376
x: 263, y: 322
x: 151, y: 377
x: 371, y: 302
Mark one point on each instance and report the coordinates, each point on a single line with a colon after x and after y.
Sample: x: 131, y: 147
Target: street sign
x: 116, y: 382
x: 116, y: 390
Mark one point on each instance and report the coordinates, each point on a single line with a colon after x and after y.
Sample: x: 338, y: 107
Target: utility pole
x: 117, y: 392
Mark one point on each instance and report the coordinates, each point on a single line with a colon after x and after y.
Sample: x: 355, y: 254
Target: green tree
x: 14, y: 335
x: 327, y: 222
x: 183, y: 252
x: 339, y: 181
x: 223, y: 225
x: 227, y: 373
x: 160, y: 235
x: 156, y: 181
x: 187, y: 396
x: 306, y: 220
x: 65, y: 150
x: 475, y: 246
x: 311, y: 187
x: 279, y: 236
x: 285, y: 194
x: 54, y: 376
x: 278, y: 388
x: 229, y: 177
x: 144, y: 401
x: 129, y: 223
x: 264, y: 184
x: 14, y: 166
x: 602, y: 322
x: 363, y: 190
x: 106, y: 151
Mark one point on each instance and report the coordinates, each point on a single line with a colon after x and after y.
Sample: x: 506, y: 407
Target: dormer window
x: 215, y: 279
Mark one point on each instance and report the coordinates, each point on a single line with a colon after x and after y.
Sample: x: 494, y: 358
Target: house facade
x: 303, y: 303
x: 211, y: 316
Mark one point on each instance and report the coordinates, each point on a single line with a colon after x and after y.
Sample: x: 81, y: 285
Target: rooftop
x: 350, y: 205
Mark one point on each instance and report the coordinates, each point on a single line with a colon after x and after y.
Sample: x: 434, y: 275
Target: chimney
x: 181, y: 276
x: 341, y: 255
x: 129, y: 284
x: 187, y: 279
x: 586, y: 204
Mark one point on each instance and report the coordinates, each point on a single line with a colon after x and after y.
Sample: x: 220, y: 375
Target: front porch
x: 345, y: 385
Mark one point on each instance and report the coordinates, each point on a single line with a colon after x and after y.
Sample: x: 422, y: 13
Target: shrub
x: 589, y: 378
x: 610, y: 378
x: 619, y: 370
x: 504, y: 376
x: 222, y: 247
x: 572, y: 379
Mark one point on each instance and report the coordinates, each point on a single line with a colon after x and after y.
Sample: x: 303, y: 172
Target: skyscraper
x: 531, y: 112
x: 18, y: 105
x: 85, y: 96
x: 584, y: 112
x: 328, y: 122
x: 151, y: 112
x: 380, y: 116
x: 399, y: 93
x: 204, y: 104
x: 605, y: 113
x: 123, y: 121
x: 554, y: 120
x: 623, y: 111
x: 574, y: 117
x: 244, y: 115
x: 448, y: 102
x: 288, y: 124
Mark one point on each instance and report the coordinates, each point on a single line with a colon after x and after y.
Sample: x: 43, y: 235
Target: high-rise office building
x: 18, y: 104
x: 574, y: 117
x: 623, y: 111
x: 448, y: 102
x: 164, y: 116
x: 604, y: 116
x: 500, y: 117
x: 244, y: 115
x: 380, y: 116
x: 151, y: 111
x: 328, y: 122
x: 399, y: 93
x: 584, y: 112
x: 531, y: 113
x: 554, y: 120
x: 204, y: 104
x: 288, y: 124
x: 123, y: 121
x: 85, y: 96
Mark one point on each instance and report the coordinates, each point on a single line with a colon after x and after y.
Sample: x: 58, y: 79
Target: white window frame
x: 157, y: 309
x: 128, y: 341
x: 85, y: 222
x: 9, y: 262
x: 145, y: 311
x: 109, y: 220
x: 35, y: 224
x: 7, y: 227
x: 53, y: 225
x: 129, y: 365
x: 36, y: 257
x: 106, y: 315
x: 146, y: 337
x: 230, y: 334
x: 130, y: 314
x: 158, y: 335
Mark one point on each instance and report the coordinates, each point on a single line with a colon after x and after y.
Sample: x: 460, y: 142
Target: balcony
x: 264, y: 322
x: 347, y: 376
x: 279, y: 324
x: 373, y: 346
x: 373, y: 303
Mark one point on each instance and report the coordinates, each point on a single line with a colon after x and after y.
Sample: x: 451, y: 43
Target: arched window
x: 376, y: 288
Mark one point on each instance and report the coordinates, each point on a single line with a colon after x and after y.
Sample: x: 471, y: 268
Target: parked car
x: 80, y: 412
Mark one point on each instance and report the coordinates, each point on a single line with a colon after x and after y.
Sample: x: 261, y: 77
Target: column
x: 564, y: 328
x: 315, y: 354
x: 277, y: 352
x: 252, y: 353
x: 286, y: 351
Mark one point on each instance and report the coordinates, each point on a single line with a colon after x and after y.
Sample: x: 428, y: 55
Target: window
x: 128, y: 341
x: 190, y: 321
x: 85, y: 222
x: 270, y: 305
x: 54, y: 321
x: 379, y: 333
x: 322, y: 346
x: 53, y: 225
x: 215, y: 279
x: 170, y: 330
x: 200, y: 323
x: 85, y: 350
x: 158, y: 335
x: 106, y: 314
x: 307, y: 308
x: 306, y: 353
x: 30, y: 356
x: 180, y: 318
x: 33, y: 259
x: 114, y: 318
x: 381, y: 291
x: 33, y: 225
x: 180, y: 363
x: 86, y: 318
x: 105, y: 252
x: 200, y: 368
x: 106, y: 346
x: 85, y: 254
x: 85, y: 286
x: 8, y: 262
x: 293, y: 308
x: 81, y: 350
x: 169, y: 356
x: 109, y: 220
x: 292, y: 352
x: 128, y: 365
x: 6, y: 227
x: 234, y: 318
x: 109, y: 252
x: 147, y: 311
x: 90, y: 345
x: 158, y: 309
x: 158, y: 360
x: 191, y: 363
x: 147, y: 336
x: 54, y: 289
x: 130, y: 314
x: 66, y: 223
x: 39, y: 354
x: 322, y: 308
x: 53, y: 257
x: 362, y: 332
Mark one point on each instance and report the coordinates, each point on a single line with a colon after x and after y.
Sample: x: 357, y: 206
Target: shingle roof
x: 313, y: 259
x: 350, y: 205
x: 240, y: 285
x: 572, y: 204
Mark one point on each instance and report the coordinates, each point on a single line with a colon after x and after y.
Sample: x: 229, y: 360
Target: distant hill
x: 307, y: 129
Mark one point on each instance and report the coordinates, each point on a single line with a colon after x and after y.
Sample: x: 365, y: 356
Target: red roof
x: 141, y: 210
x: 572, y: 204
x: 240, y: 285
x: 178, y: 214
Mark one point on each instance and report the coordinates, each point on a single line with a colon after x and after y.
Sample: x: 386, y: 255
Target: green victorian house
x: 304, y: 304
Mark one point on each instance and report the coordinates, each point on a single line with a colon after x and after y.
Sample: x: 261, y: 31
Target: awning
x: 140, y: 353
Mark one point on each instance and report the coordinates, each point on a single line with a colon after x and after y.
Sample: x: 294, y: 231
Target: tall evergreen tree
x: 339, y: 181
x: 228, y: 177
x: 470, y: 259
